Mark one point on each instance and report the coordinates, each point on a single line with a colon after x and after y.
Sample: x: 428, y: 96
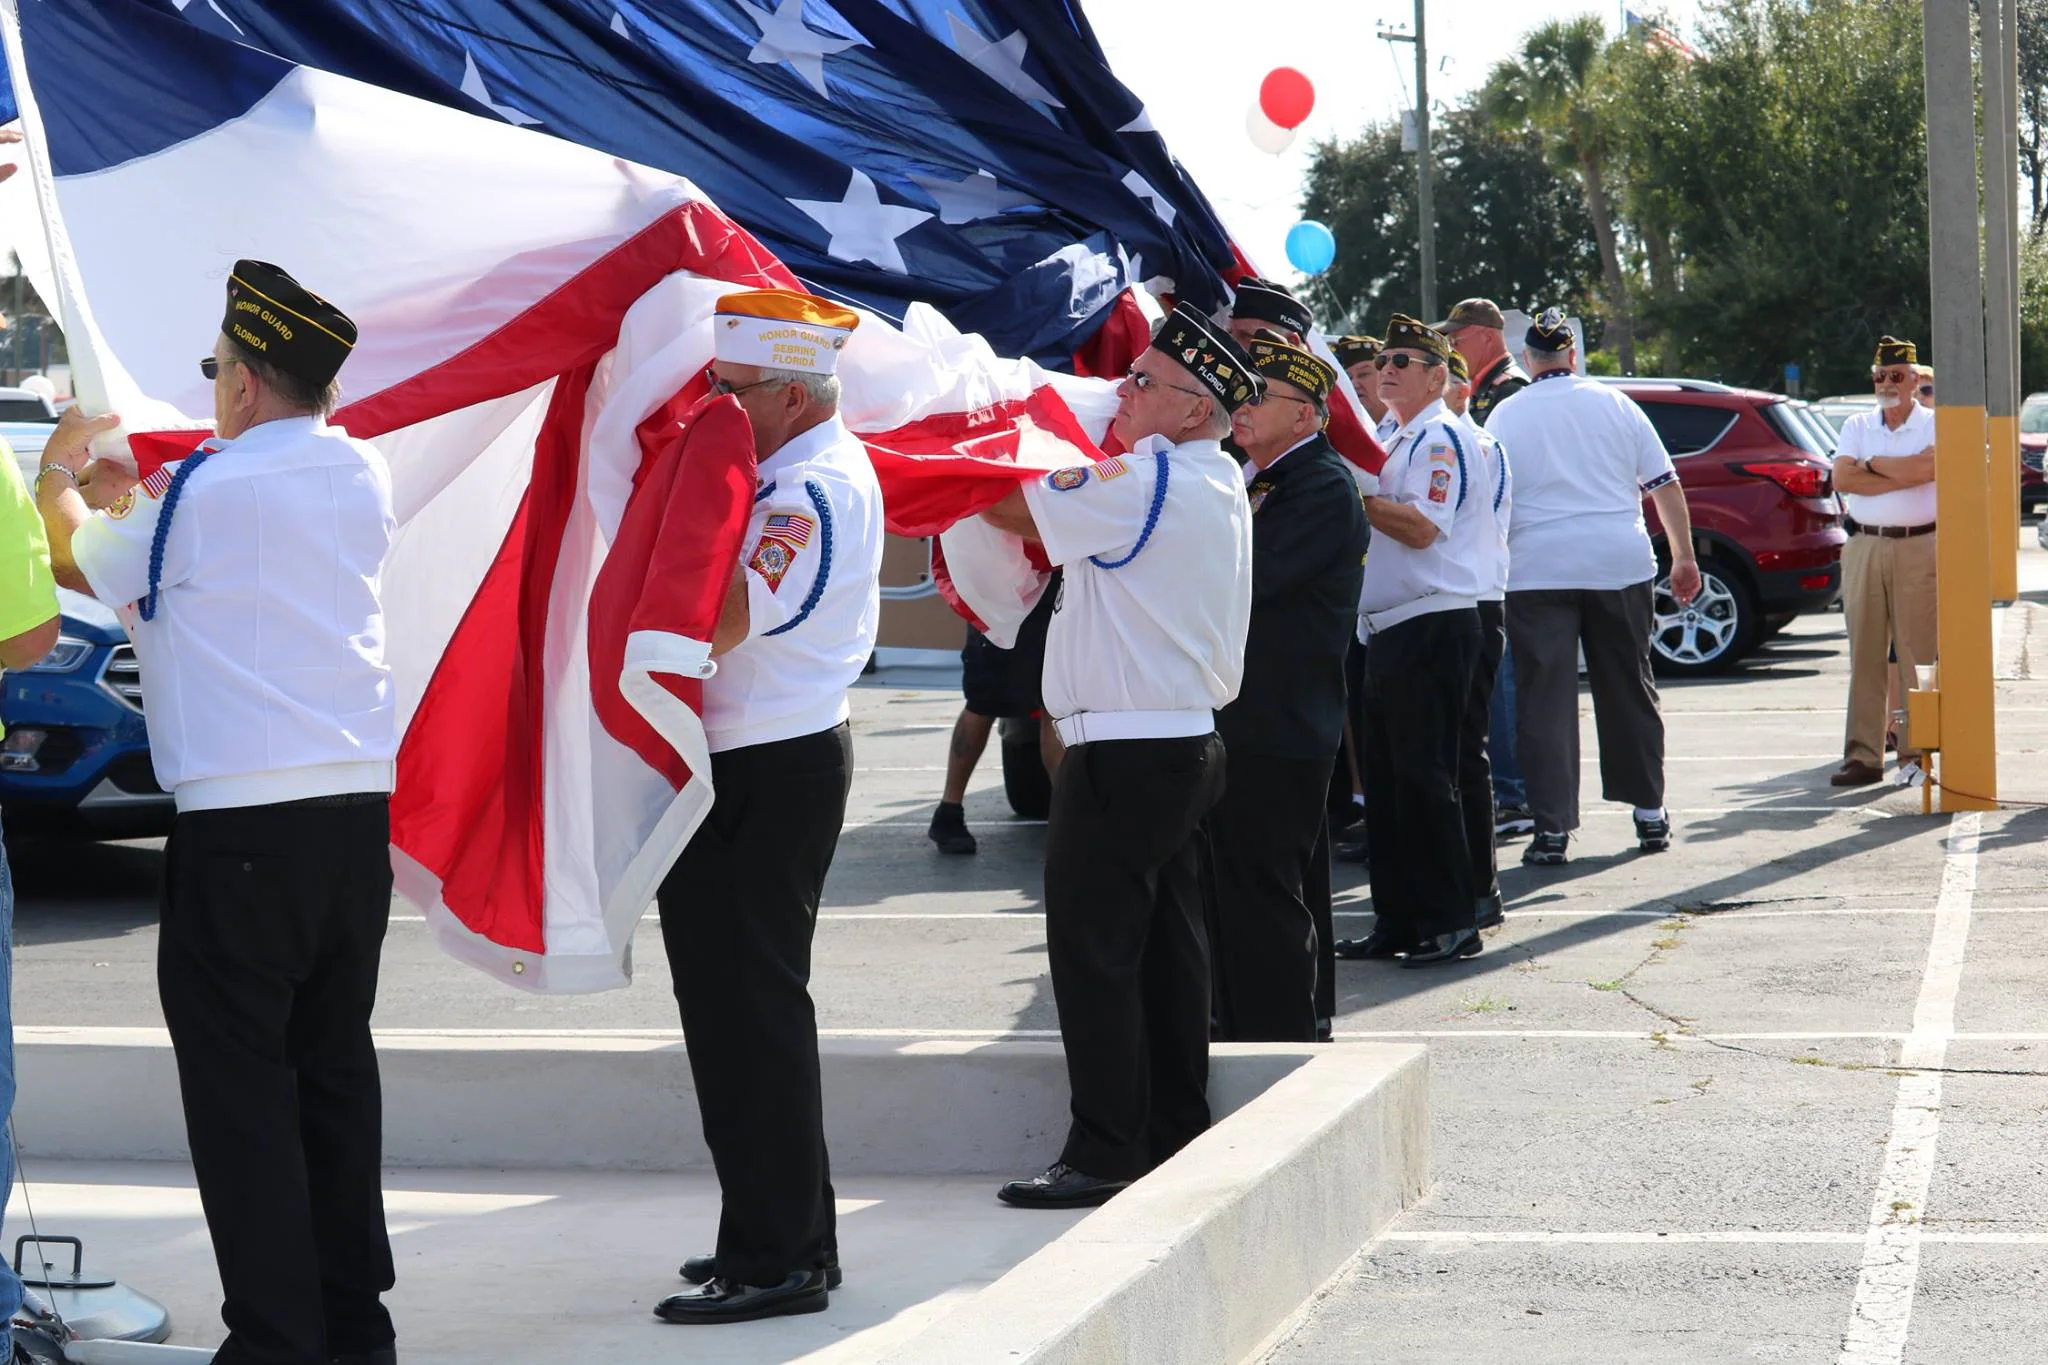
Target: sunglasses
x: 1403, y: 360
x: 1147, y: 382
x: 1891, y: 376
x: 1259, y: 400
x: 1927, y: 390
x: 210, y: 367
x: 723, y: 389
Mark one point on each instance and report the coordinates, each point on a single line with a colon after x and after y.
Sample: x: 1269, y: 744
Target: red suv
x: 1757, y: 470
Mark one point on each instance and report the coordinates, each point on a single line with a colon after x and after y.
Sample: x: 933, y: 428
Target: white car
x: 26, y: 418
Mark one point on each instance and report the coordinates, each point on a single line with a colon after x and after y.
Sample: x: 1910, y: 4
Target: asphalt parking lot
x: 1778, y: 1088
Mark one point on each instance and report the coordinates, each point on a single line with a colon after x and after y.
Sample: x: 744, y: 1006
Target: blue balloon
x: 1311, y: 247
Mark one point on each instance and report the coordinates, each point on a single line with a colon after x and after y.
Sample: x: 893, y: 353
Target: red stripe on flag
x: 943, y: 468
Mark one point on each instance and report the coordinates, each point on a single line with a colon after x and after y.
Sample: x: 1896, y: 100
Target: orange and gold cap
x: 781, y: 329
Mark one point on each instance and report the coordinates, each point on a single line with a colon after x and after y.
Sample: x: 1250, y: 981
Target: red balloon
x: 1286, y: 96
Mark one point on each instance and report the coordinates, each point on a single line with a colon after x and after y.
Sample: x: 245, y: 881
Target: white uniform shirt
x: 1584, y: 455
x: 814, y: 569
x: 1157, y: 593
x: 1865, y: 435
x: 1498, y: 483
x: 1432, y: 466
x: 263, y: 672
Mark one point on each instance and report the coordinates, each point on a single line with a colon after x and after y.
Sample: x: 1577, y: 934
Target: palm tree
x: 1552, y: 86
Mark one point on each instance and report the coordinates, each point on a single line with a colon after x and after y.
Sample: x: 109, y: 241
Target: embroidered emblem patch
x: 1258, y: 494
x: 1067, y: 480
x: 1439, y: 485
x: 1111, y: 468
x: 121, y: 506
x: 793, y: 529
x: 771, y: 560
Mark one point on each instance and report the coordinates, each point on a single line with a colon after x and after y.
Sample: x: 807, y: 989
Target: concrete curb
x: 1200, y: 1261
x: 606, y: 1101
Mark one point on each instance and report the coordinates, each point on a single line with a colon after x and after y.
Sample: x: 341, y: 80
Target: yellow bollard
x: 1967, y: 728
x: 2005, y: 508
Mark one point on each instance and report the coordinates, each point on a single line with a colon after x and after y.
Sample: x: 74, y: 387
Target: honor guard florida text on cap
x: 286, y: 325
x: 1264, y: 301
x: 1292, y: 365
x: 780, y: 329
x: 1550, y: 333
x: 1207, y: 352
x: 1405, y: 333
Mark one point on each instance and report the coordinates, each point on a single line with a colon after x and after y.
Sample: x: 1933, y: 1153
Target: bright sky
x: 1198, y: 64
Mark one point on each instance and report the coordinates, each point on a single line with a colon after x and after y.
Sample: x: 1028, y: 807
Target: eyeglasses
x: 1147, y: 382
x: 1403, y: 360
x: 1259, y: 399
x: 726, y: 389
x: 210, y: 367
x: 1891, y: 376
x: 1927, y: 390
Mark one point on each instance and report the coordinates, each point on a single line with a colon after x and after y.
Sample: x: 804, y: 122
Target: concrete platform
x: 1314, y: 1151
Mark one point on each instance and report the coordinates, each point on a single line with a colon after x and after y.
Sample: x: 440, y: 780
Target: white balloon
x: 1266, y: 135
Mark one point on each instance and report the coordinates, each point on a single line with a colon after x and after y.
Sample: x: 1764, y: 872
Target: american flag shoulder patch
x: 1111, y: 468
x: 790, y: 527
x: 157, y: 483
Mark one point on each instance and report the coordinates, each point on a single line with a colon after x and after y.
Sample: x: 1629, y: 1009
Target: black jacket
x: 1501, y: 379
x: 1308, y: 553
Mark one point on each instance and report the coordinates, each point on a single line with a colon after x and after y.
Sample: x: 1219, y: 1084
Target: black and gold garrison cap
x: 1292, y: 365
x: 1206, y: 350
x: 1406, y: 333
x: 285, y: 324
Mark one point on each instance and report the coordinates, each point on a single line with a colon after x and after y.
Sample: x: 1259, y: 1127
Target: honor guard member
x: 1581, y: 571
x: 255, y: 564
x: 1420, y: 623
x: 739, y: 907
x: 1458, y: 388
x: 1884, y: 470
x: 1479, y: 334
x: 1479, y: 739
x: 1147, y: 640
x: 1262, y: 303
x: 1270, y: 920
x: 1356, y: 355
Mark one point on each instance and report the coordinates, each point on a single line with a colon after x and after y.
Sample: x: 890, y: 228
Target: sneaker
x: 1546, y: 849
x: 949, y: 829
x: 1512, y: 822
x: 1653, y: 836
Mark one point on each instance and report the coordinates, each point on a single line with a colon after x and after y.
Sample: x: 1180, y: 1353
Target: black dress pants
x: 1418, y: 684
x: 1130, y: 959
x: 1315, y: 889
x: 273, y: 920
x: 738, y: 910
x: 1475, y: 765
x: 1263, y: 834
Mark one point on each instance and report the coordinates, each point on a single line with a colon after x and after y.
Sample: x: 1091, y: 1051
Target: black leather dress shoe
x: 387, y: 1356
x: 701, y: 1268
x: 1492, y: 911
x: 1373, y: 945
x: 721, y: 1300
x: 1061, y: 1187
x: 1444, y: 948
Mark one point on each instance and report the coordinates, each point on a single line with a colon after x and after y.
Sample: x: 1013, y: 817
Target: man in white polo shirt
x: 740, y: 905
x: 1884, y: 470
x: 1580, y: 574
x: 255, y: 564
x: 1146, y: 642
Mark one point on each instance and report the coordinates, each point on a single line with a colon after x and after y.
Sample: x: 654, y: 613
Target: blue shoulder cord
x: 811, y: 598
x: 162, y: 533
x: 1151, y: 519
x: 1458, y: 446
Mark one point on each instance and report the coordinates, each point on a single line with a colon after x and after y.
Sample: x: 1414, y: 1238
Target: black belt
x: 341, y: 799
x: 1857, y: 528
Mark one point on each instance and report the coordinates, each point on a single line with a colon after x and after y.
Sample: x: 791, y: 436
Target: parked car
x: 1842, y: 407
x: 26, y: 419
x: 76, y: 756
x: 2033, y: 447
x: 1767, y: 526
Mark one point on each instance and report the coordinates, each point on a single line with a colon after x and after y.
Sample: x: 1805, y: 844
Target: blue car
x: 75, y: 759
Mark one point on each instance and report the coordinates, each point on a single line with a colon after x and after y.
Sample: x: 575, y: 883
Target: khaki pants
x: 1888, y: 603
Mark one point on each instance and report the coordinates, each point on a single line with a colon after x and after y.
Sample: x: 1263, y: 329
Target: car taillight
x: 1797, y: 477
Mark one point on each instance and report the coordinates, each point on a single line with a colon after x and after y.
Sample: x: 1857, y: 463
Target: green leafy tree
x: 1507, y: 228
x: 1555, y: 87
x: 1788, y: 164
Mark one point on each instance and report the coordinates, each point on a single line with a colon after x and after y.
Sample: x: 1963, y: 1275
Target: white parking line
x: 1728, y: 1236
x: 1883, y: 1308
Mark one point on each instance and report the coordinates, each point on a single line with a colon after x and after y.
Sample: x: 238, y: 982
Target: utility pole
x: 1999, y: 49
x: 1966, y: 729
x: 1425, y: 205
